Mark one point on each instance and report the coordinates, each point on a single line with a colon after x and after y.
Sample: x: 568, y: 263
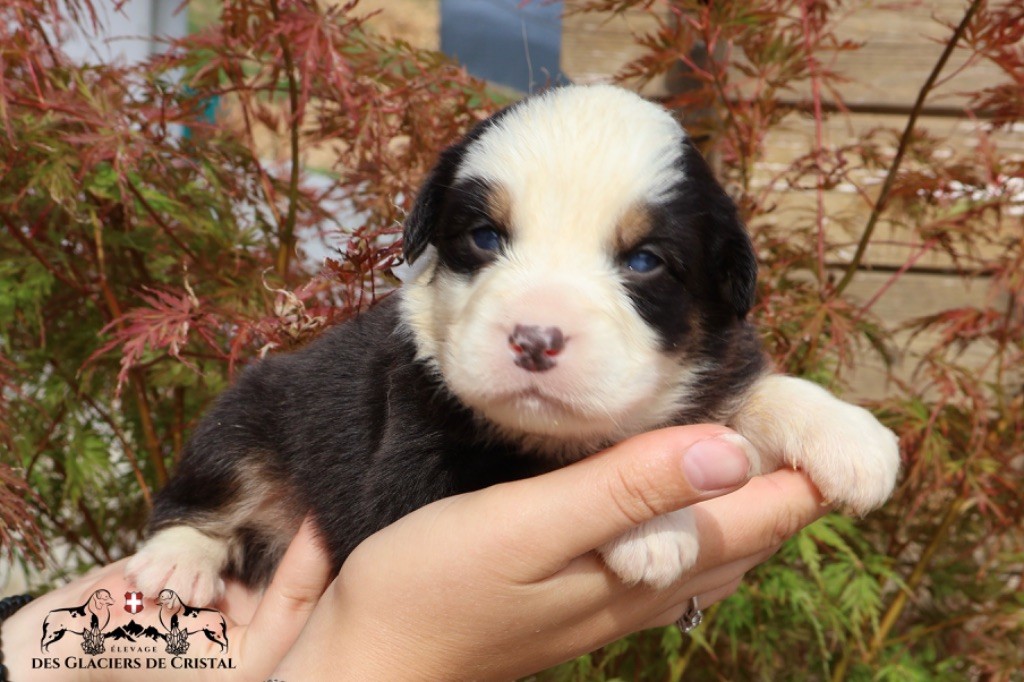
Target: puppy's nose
x: 535, y: 348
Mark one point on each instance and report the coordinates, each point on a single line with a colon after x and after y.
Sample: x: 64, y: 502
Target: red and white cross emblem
x: 133, y: 602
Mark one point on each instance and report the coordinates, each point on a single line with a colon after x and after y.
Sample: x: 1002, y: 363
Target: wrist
x: 343, y: 642
x: 8, y: 607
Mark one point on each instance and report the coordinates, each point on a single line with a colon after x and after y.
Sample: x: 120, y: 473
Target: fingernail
x: 716, y: 463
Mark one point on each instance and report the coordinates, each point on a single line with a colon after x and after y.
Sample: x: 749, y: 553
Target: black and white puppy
x: 581, y: 278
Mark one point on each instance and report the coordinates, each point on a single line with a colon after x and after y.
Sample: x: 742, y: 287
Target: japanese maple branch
x: 287, y: 236
x: 137, y: 382
x: 904, y: 145
x: 69, y: 534
x: 917, y: 575
x: 812, y: 67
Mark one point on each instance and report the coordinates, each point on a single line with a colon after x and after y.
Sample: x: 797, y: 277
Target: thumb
x: 568, y: 512
x: 300, y: 580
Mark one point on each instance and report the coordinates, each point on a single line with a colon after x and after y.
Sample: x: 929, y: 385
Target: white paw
x: 657, y: 552
x: 180, y: 559
x: 852, y: 458
x: 849, y: 455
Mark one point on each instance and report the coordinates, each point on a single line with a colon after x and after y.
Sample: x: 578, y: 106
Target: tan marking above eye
x: 499, y: 205
x: 632, y: 227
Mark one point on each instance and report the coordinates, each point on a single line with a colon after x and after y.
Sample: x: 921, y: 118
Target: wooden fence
x: 900, y: 46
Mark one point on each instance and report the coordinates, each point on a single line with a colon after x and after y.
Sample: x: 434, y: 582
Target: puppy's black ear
x: 421, y: 224
x: 729, y: 252
x: 737, y: 264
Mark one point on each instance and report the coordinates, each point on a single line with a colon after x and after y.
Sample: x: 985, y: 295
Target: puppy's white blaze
x: 571, y: 163
x: 578, y: 152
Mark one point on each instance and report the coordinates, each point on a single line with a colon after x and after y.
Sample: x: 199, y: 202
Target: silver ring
x: 691, y: 618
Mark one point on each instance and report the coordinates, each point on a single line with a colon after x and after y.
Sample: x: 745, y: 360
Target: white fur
x: 785, y: 421
x: 574, y: 158
x: 181, y: 559
x: 850, y: 456
x: 657, y: 552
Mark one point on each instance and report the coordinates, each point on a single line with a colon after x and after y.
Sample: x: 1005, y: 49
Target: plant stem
x: 137, y: 379
x: 164, y: 227
x: 149, y: 428
x: 899, y: 602
x: 812, y: 68
x: 890, y: 177
x: 286, y: 238
x: 31, y: 248
x: 69, y: 534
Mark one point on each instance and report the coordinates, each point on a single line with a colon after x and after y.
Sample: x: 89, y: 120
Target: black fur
x: 351, y: 427
x: 463, y: 209
x: 726, y: 245
x: 421, y: 225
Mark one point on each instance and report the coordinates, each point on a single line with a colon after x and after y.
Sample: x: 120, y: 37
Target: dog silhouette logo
x: 87, y: 621
x: 181, y: 621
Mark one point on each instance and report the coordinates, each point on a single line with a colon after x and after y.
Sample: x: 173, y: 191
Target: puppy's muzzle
x: 535, y: 348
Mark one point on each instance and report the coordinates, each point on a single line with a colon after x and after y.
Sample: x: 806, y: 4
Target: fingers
x: 303, y: 575
x: 762, y: 515
x: 737, y: 532
x: 563, y: 514
x: 704, y: 600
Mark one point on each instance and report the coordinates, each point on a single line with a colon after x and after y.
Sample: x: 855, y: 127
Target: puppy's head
x: 584, y: 267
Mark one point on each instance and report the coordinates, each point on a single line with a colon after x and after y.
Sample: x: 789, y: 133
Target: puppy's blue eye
x: 486, y: 238
x: 642, y: 260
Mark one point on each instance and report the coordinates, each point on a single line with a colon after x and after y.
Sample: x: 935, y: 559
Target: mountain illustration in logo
x: 133, y: 631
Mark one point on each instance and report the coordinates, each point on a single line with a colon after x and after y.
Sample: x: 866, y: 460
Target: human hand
x: 489, y: 585
x: 502, y: 582
x: 260, y: 627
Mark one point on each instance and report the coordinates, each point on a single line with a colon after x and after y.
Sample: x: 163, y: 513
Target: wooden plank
x: 596, y: 45
x: 914, y: 295
x: 901, y: 42
x: 418, y: 22
x: 794, y: 136
x: 847, y: 210
x: 892, y: 245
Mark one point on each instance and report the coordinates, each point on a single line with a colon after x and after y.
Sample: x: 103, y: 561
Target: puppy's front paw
x: 852, y: 458
x: 849, y: 455
x: 180, y: 559
x: 657, y: 552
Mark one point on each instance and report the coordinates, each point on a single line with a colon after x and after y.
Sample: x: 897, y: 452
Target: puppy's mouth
x: 534, y: 400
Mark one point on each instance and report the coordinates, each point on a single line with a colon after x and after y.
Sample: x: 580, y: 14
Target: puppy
x: 581, y: 278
